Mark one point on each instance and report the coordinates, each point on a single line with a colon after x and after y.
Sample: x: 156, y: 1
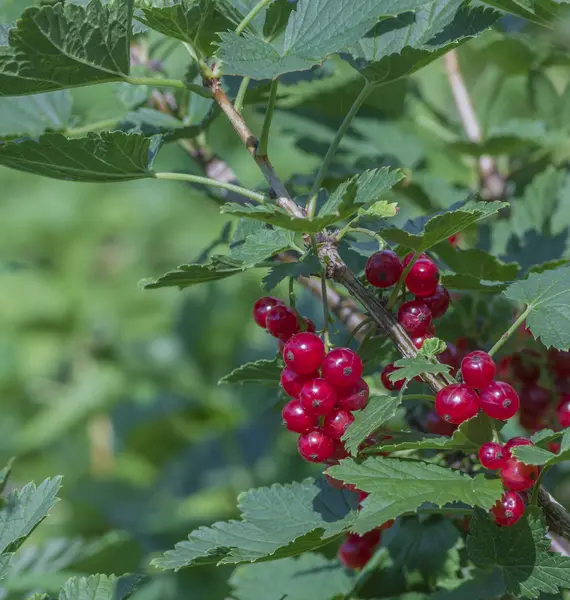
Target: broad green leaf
x: 5, y: 475
x: 262, y: 245
x: 547, y: 295
x: 465, y: 281
x: 538, y: 11
x: 543, y: 436
x: 273, y: 215
x: 99, y: 587
x: 315, y: 30
x: 62, y: 46
x: 185, y: 276
x: 260, y: 371
x: 309, y: 514
x: 379, y: 410
x: 309, y: 265
x: 423, y: 233
x: 408, y: 368
x: 477, y: 263
x: 432, y: 347
x: 534, y: 455
x: 277, y: 17
x: 380, y: 209
x: 108, y: 156
x: 291, y: 578
x: 401, y: 45
x: 519, y: 555
x: 400, y: 486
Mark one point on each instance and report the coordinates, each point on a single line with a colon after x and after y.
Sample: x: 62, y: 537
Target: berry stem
x: 396, y: 291
x: 238, y: 103
x: 251, y: 15
x: 426, y: 397
x: 503, y: 339
x: 292, y: 299
x: 326, y: 316
x: 264, y: 139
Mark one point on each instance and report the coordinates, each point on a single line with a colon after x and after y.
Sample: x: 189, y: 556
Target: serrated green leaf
x: 538, y: 11
x: 379, y: 410
x: 533, y: 455
x: 260, y: 371
x: 423, y: 233
x: 108, y: 156
x: 262, y: 245
x: 380, y: 209
x: 99, y: 587
x: 477, y: 263
x: 62, y: 46
x: 400, y: 486
x: 291, y: 578
x: 277, y: 17
x: 304, y: 268
x: 464, y: 281
x: 543, y: 436
x: 408, y: 368
x: 309, y: 513
x: 432, y: 347
x: 5, y: 475
x: 547, y: 296
x: 520, y: 555
x: 273, y: 215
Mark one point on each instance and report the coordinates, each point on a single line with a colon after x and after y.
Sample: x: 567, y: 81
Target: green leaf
x: 5, y: 475
x: 99, y: 587
x: 423, y: 233
x: 547, y: 295
x: 277, y: 17
x: 379, y: 410
x: 538, y: 11
x: 62, y: 46
x: 465, y: 281
x: 309, y: 514
x: 519, y: 556
x: 109, y: 156
x: 260, y: 371
x: 477, y: 263
x: 400, y: 486
x: 309, y: 265
x: 291, y: 578
x: 401, y: 45
x: 273, y: 215
x: 408, y: 368
x: 543, y: 436
x: 534, y: 455
x: 262, y: 245
x: 432, y: 347
x: 379, y: 210
x: 185, y: 276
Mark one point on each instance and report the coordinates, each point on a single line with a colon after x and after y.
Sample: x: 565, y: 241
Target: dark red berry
x: 478, y: 369
x: 393, y: 386
x: 308, y: 325
x: 509, y: 509
x: 456, y: 403
x: 517, y: 476
x: 407, y: 259
x: 337, y: 484
x: 297, y: 419
x: 353, y: 554
x: 563, y: 411
x: 318, y: 396
x: 281, y: 322
x: 423, y: 278
x: 559, y: 361
x: 415, y: 317
x: 315, y: 446
x: 336, y: 422
x: 342, y: 367
x: 492, y: 455
x: 554, y: 447
x: 438, y: 302
x: 453, y: 240
x: 529, y: 421
x: 449, y: 356
x: 353, y: 398
x: 419, y: 340
x: 339, y: 451
x: 383, y: 269
x: 262, y: 307
x: 525, y: 365
x: 292, y: 382
x: 435, y: 424
x: 499, y: 400
x: 534, y: 399
x: 504, y: 368
x: 516, y: 441
x: 304, y: 353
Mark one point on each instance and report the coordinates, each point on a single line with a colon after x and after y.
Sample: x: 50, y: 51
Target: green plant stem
x: 264, y: 139
x: 426, y: 397
x: 324, y: 293
x: 96, y: 126
x: 400, y: 283
x: 364, y: 93
x: 292, y: 299
x: 251, y: 15
x: 214, y: 183
x: 238, y: 104
x: 175, y: 83
x: 503, y: 339
x: 353, y: 333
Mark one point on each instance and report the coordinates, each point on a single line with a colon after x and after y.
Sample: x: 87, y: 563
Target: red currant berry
x: 529, y: 421
x: 407, y: 259
x: 449, y: 356
x: 336, y: 422
x: 342, y: 367
x: 504, y: 368
x: 423, y: 278
x: 297, y: 419
x: 456, y: 403
x: 509, y: 509
x: 516, y: 441
x: 478, y: 369
x: 387, y: 525
x: 435, y: 424
x: 372, y: 538
x: 383, y: 269
x: 315, y: 446
x: 308, y: 325
x: 554, y: 447
x: 392, y: 386
x: 517, y: 476
x: 339, y: 451
x: 318, y: 396
x: 499, y: 400
x: 453, y: 240
x: 534, y: 399
x: 353, y: 398
x: 337, y: 484
x: 292, y: 382
x: 304, y: 353
x: 262, y: 307
x: 492, y: 455
x: 281, y: 322
x: 525, y: 365
x: 354, y: 554
x: 559, y: 361
x: 563, y: 411
x: 420, y: 339
x: 415, y: 317
x: 438, y: 302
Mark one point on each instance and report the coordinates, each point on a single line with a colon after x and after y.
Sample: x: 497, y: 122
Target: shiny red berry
x: 509, y: 509
x: 281, y: 322
x: 517, y: 476
x: 315, y: 446
x: 525, y: 366
x: 318, y: 396
x: 423, y: 278
x: 415, y: 317
x: 292, y: 382
x: 456, y: 403
x: 554, y: 447
x: 534, y: 399
x: 516, y: 441
x: 499, y: 400
x: 336, y: 422
x: 262, y: 307
x: 393, y: 386
x: 563, y: 411
x: 419, y: 340
x: 304, y: 353
x: 383, y: 269
x: 407, y: 259
x: 297, y: 419
x: 478, y: 369
x: 435, y: 424
x: 353, y: 554
x: 308, y: 325
x: 353, y: 398
x: 342, y: 367
x: 438, y: 302
x: 492, y: 455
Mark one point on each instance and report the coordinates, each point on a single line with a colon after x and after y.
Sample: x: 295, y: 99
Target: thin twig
x: 264, y: 139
